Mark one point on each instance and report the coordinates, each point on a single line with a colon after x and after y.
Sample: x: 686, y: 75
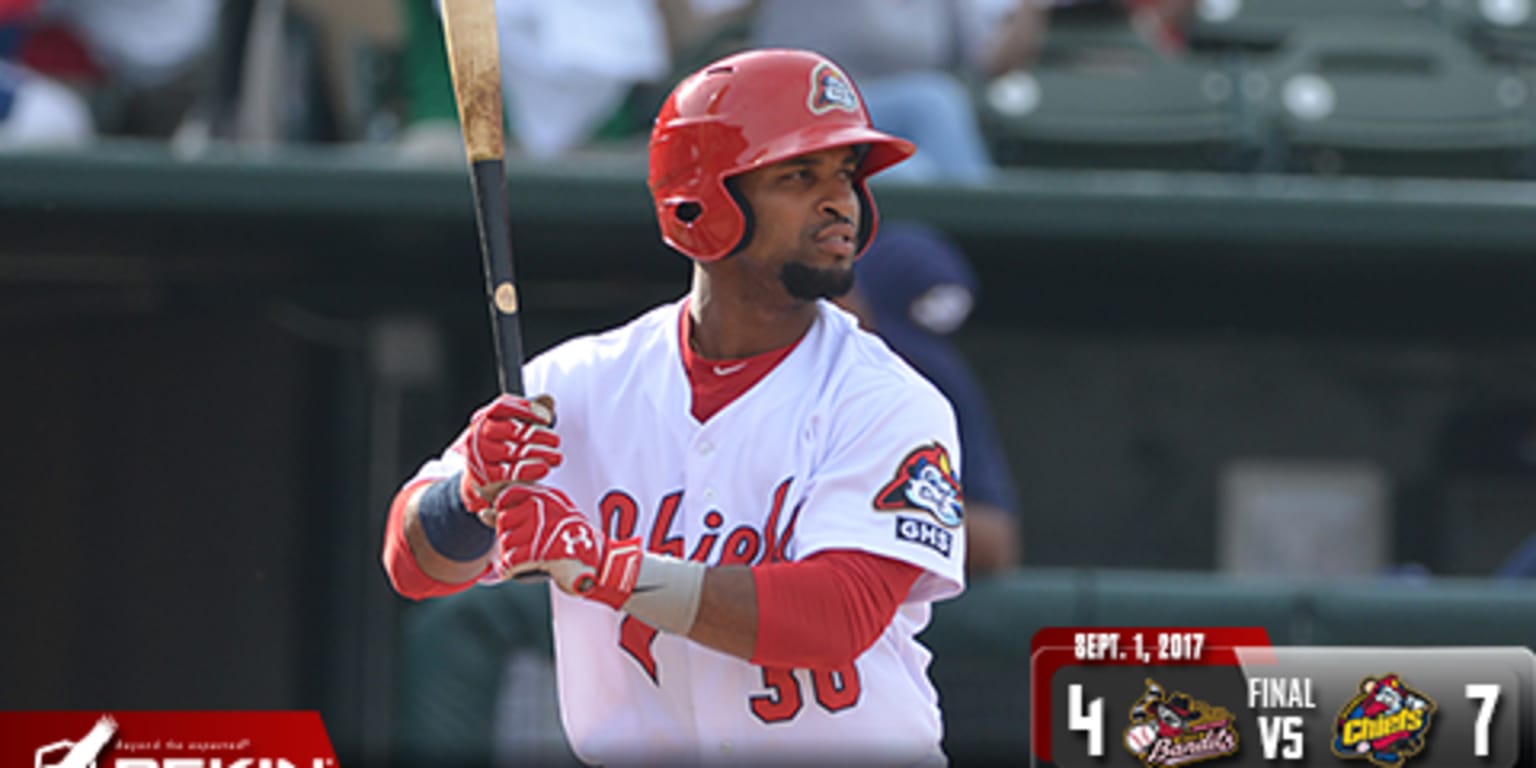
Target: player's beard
x: 809, y: 283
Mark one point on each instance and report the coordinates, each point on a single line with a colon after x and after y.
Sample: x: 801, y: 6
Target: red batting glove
x: 508, y: 440
x: 539, y: 529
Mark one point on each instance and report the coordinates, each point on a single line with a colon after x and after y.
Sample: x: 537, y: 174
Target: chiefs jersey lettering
x: 744, y: 545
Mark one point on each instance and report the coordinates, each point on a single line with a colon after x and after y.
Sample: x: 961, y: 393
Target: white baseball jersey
x: 840, y: 446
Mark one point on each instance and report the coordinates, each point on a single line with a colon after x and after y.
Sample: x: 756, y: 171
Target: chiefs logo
x: 831, y: 89
x: 1386, y: 722
x: 926, y: 481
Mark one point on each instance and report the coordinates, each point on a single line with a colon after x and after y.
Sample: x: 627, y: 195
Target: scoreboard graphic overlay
x: 1223, y: 697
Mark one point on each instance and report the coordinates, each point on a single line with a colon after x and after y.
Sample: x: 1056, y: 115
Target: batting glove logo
x: 581, y: 535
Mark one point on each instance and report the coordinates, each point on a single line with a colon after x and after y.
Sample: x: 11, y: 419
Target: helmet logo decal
x: 831, y: 89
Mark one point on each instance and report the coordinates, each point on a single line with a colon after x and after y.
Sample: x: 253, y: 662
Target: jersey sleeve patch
x: 924, y: 481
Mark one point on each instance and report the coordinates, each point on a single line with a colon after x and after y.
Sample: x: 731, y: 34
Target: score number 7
x: 1090, y: 722
x: 1488, y: 694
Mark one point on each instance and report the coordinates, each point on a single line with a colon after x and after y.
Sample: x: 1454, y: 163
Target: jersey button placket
x: 699, y: 494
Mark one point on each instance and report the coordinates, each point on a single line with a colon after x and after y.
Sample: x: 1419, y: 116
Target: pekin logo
x: 188, y: 739
x: 199, y: 762
x: 77, y: 754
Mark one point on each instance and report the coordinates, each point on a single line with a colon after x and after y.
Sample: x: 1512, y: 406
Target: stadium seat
x: 1402, y: 97
x: 1265, y: 24
x: 1104, y: 98
x: 1502, y: 29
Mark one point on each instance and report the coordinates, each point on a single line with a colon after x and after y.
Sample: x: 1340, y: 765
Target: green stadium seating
x: 1503, y: 29
x: 1101, y: 97
x: 1402, y: 97
x: 1265, y: 24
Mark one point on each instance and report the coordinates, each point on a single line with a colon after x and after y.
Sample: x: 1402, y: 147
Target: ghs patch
x: 924, y: 533
x: 1386, y: 723
x: 1174, y: 729
x: 831, y: 89
x: 925, y: 481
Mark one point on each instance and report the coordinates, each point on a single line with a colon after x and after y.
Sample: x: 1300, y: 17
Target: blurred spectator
x: 38, y: 112
x: 35, y: 110
x: 567, y: 68
x: 912, y: 60
x: 431, y: 127
x: 66, y: 63
x: 1161, y: 23
x: 914, y: 287
x: 15, y: 16
x: 140, y: 44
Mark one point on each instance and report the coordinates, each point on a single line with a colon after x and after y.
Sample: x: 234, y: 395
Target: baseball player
x: 746, y: 504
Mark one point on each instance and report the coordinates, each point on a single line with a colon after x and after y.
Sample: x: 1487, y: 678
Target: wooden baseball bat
x: 474, y: 56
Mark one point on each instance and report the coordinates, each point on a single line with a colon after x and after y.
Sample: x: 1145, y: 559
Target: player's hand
x: 539, y: 529
x: 510, y: 440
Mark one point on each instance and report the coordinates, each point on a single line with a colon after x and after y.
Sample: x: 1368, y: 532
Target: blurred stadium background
x: 1256, y: 324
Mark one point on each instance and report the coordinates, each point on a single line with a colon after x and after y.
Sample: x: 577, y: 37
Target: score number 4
x: 1090, y: 722
x: 1091, y: 719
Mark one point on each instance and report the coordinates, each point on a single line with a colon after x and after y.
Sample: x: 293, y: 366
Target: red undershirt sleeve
x: 822, y: 612
x: 399, y: 562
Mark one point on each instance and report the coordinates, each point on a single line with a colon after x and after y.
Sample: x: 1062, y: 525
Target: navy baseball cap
x: 919, y: 288
x: 916, y: 282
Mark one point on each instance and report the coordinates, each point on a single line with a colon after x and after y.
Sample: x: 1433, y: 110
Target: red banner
x: 129, y: 739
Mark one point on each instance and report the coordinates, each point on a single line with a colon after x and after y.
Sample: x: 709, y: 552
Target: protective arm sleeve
x: 400, y: 563
x: 822, y: 612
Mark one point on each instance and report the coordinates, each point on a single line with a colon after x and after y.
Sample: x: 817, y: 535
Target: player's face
x: 805, y: 222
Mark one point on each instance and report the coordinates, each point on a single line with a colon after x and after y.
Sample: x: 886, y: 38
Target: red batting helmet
x: 744, y: 112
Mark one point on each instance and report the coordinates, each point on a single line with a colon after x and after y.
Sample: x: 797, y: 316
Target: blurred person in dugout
x: 568, y: 69
x: 1161, y: 23
x: 912, y: 59
x: 915, y: 288
x: 70, y: 69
